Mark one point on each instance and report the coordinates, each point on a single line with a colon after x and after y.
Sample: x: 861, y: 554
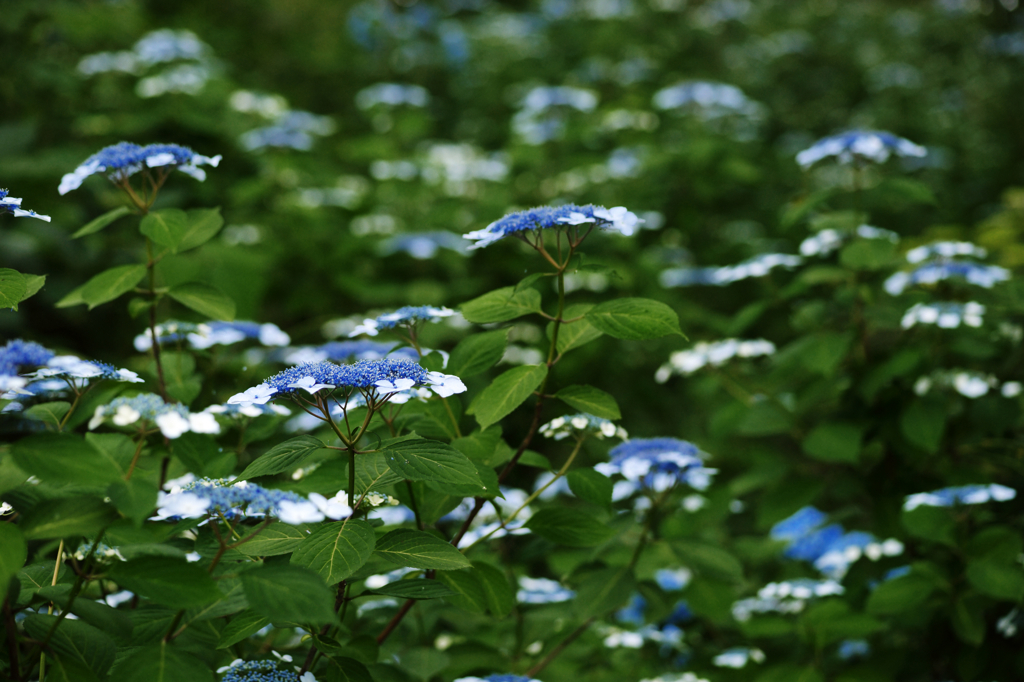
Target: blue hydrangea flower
x: 634, y: 611
x: 828, y: 240
x: 387, y: 376
x: 214, y: 333
x: 497, y: 678
x: 342, y: 351
x: 124, y: 159
x: 788, y: 596
x: 658, y: 464
x: 944, y: 315
x: 617, y: 219
x: 9, y: 204
x: 715, y: 353
x: 738, y: 657
x: 542, y: 591
x: 673, y: 579
x: 945, y: 250
x: 171, y: 418
x: 870, y: 145
x: 423, y: 245
x: 18, y: 354
x: 576, y: 424
x: 392, y: 95
x: 233, y: 499
x: 758, y: 266
x: 799, y: 524
x: 708, y: 100
x: 974, y: 273
x: 830, y: 548
x: 965, y: 494
x: 262, y: 671
x: 853, y: 648
x: 292, y: 130
x: 77, y: 371
x: 406, y: 316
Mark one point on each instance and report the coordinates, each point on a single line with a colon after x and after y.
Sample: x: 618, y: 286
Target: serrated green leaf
x: 601, y: 592
x: 97, y: 224
x: 498, y: 593
x: 135, y: 498
x: 502, y: 305
x: 576, y: 333
x: 569, y: 527
x: 61, y: 458
x: 110, y: 284
x: 968, y: 619
x: 591, y: 400
x: 923, y: 423
x: 344, y: 669
x: 204, y: 299
x: 282, y: 457
x: 590, y: 486
x: 69, y: 517
x: 73, y: 297
x: 467, y: 590
x: 75, y: 640
x: 336, y: 550
x: 417, y: 549
x: 109, y: 620
x: 203, y: 225
x: 709, y: 559
x: 997, y: 579
x: 373, y: 473
x: 506, y: 393
x: 478, y: 353
x: 931, y: 523
x: 48, y: 413
x: 900, y: 595
x: 429, y: 460
x: 276, y: 539
x: 418, y: 588
x: 33, y: 283
x: 290, y: 593
x: 165, y: 227
x: 162, y: 662
x: 834, y: 442
x: 242, y: 625
x: 12, y: 288
x: 634, y: 318
x: 167, y: 581
x: 13, y: 552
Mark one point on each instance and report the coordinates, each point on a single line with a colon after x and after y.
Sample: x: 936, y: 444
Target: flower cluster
x: 156, y: 47
x: 215, y: 333
x: 657, y: 464
x: 78, y: 371
x: 16, y: 355
x: 758, y: 266
x: 172, y: 419
x: 102, y: 551
x: 541, y: 116
x: 263, y: 671
x: 291, y: 130
x: 124, y: 159
x: 716, y: 353
x: 788, y: 596
x: 965, y: 494
x: 967, y: 383
x: 250, y: 411
x: 542, y: 591
x: 392, y: 95
x: 497, y: 678
x: 191, y: 498
x: 869, y: 145
x: 9, y: 204
x: 945, y: 250
x: 386, y: 375
x: 407, y: 316
x: 422, y: 245
x: 974, y: 273
x: 738, y: 657
x: 710, y: 100
x: 616, y: 219
x: 580, y: 424
x: 944, y: 315
x: 676, y: 677
x: 829, y: 548
x: 828, y: 240
x: 342, y: 351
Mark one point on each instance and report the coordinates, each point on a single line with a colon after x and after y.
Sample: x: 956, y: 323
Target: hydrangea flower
x: 497, y: 678
x: 156, y: 47
x: 759, y: 266
x: 78, y: 371
x: 738, y: 657
x: 172, y: 419
x: 673, y: 579
x: 974, y: 273
x: 578, y: 424
x: 965, y: 494
x: 392, y: 95
x: 542, y: 591
x: 617, y: 219
x: 967, y: 383
x: 17, y: 354
x: 944, y: 315
x: 292, y: 130
x: 869, y: 145
x: 830, y: 548
x: 341, y: 351
x: 945, y: 250
x: 676, y: 677
x: 715, y: 353
x: 368, y: 375
x: 406, y: 316
x: 102, y: 551
x: 853, y: 648
x: 828, y: 240
x: 9, y: 204
x: 789, y: 596
x: 263, y: 671
x: 251, y: 411
x: 124, y: 159
x: 422, y: 245
x: 214, y: 333
x: 233, y: 499
x: 656, y: 463
x: 708, y: 100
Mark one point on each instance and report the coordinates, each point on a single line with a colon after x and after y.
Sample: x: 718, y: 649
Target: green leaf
x: 834, y: 442
x: 968, y: 619
x: 901, y: 595
x: 274, y: 540
x: 48, y: 413
x: 996, y: 579
x: 110, y: 284
x: 166, y: 227
x: 336, y: 550
x: 899, y: 190
x: 417, y: 549
x: 498, y: 593
x: 708, y: 559
x: 467, y: 590
x: 69, y: 517
x: 373, y: 473
x: 244, y: 623
x: 429, y: 460
x: 203, y: 225
x: 478, y: 353
x: 73, y: 297
x: 591, y: 400
x: 602, y: 591
x: 109, y: 620
x: 167, y: 581
x: 75, y: 640
x: 282, y: 457
x: 590, y: 486
x: 868, y: 254
x: 33, y: 283
x: 481, y: 446
x: 506, y: 393
x: 502, y: 305
x: 97, y: 224
x: 634, y: 318
x: 569, y: 527
x: 135, y: 498
x: 13, y: 288
x: 204, y: 299
x: 417, y: 588
x: 930, y: 523
x: 290, y: 593
x: 62, y: 458
x: 788, y: 672
x: 576, y: 333
x: 13, y: 552
x: 923, y: 423
x: 183, y: 383
x: 344, y: 669
x: 195, y: 451
x: 163, y: 662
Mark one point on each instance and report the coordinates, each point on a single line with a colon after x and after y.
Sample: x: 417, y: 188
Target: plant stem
x: 151, y: 272
x: 562, y: 646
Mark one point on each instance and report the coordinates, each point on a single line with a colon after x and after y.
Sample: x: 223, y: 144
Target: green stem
x: 151, y: 273
x: 451, y: 415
